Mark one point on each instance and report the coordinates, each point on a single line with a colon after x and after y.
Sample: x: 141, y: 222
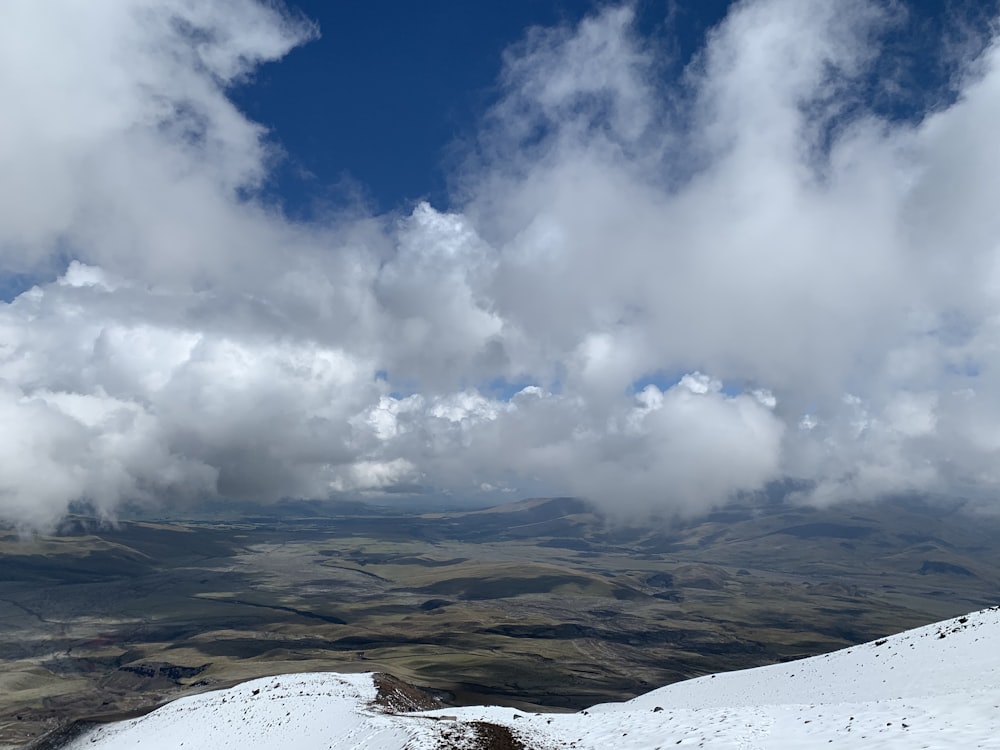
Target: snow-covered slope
x: 299, y: 712
x: 933, y: 687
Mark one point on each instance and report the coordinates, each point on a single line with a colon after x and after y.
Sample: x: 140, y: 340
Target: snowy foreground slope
x: 933, y: 687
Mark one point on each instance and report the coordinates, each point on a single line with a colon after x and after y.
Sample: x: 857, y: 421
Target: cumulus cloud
x: 656, y: 292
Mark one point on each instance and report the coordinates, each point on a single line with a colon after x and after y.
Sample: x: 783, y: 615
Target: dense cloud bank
x: 653, y: 293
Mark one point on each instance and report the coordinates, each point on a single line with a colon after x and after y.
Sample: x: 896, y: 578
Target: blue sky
x: 384, y: 99
x: 385, y: 102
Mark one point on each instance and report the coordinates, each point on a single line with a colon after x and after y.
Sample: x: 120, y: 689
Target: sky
x: 379, y: 107
x: 660, y: 255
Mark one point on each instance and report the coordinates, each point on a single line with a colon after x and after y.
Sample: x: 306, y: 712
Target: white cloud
x: 811, y: 289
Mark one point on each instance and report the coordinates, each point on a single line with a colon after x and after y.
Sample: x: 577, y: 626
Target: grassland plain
x: 508, y: 605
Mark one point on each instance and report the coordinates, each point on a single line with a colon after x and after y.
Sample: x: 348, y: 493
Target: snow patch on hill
x: 299, y: 712
x: 933, y: 687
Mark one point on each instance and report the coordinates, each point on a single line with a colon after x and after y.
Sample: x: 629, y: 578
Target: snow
x: 301, y: 712
x: 933, y: 687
